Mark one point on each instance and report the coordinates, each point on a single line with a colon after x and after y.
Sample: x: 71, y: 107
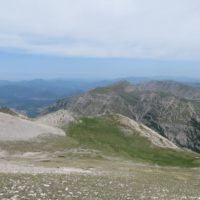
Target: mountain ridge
x: 172, y: 116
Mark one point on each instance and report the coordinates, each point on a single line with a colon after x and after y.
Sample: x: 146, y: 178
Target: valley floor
x: 95, y: 179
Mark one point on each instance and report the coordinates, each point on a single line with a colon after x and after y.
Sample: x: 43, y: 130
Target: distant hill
x: 174, y: 88
x: 163, y: 110
x: 33, y: 96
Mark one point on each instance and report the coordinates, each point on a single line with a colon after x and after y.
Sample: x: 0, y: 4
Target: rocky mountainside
x: 171, y: 115
x: 131, y: 127
x: 174, y: 88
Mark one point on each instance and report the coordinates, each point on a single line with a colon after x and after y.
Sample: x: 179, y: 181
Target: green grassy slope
x: 104, y: 135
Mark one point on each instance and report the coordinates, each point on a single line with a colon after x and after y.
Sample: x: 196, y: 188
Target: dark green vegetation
x: 103, y: 134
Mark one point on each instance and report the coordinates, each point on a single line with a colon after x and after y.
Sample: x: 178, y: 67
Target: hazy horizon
x: 15, y: 66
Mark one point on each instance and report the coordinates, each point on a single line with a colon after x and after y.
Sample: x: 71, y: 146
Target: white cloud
x: 123, y: 28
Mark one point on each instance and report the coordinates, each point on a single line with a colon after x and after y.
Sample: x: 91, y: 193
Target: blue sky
x: 99, y: 38
x: 17, y: 66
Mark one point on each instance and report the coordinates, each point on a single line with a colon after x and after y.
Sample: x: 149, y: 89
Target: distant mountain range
x: 170, y: 108
x: 31, y: 97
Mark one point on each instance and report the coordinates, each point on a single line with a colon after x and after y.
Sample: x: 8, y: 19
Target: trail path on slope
x: 22, y: 168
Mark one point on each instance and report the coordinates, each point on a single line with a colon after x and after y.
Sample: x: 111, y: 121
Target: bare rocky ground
x: 57, y: 119
x: 137, y: 185
x: 43, y: 176
x: 16, y: 128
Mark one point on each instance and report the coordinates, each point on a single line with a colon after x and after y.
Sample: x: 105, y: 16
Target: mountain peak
x: 119, y: 86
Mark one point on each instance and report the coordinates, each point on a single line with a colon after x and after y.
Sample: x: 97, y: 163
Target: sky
x: 99, y: 38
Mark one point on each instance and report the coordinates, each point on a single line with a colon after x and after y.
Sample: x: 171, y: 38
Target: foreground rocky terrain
x: 133, y: 182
